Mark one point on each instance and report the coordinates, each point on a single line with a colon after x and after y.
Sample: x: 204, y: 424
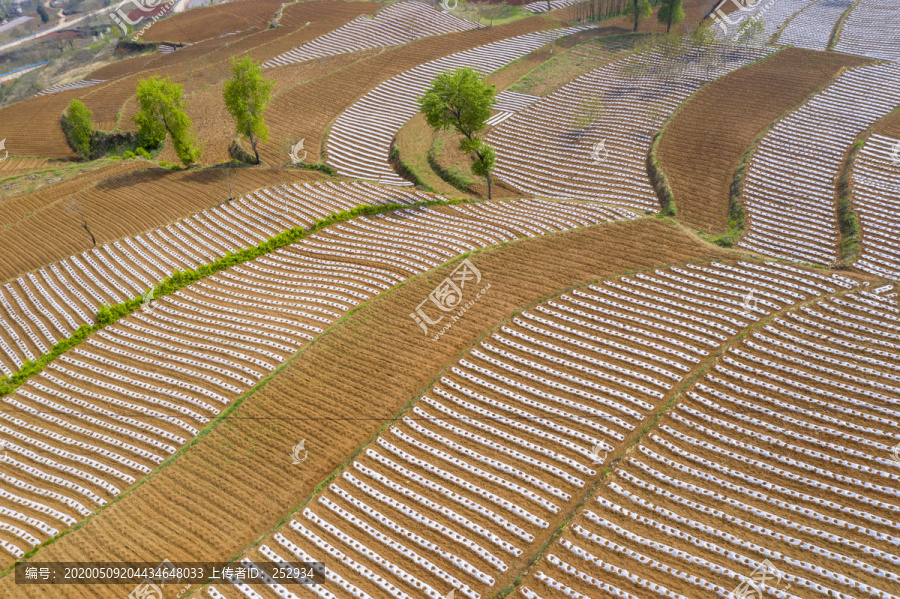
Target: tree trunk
x: 253, y: 145
x: 636, y: 16
x: 490, y: 185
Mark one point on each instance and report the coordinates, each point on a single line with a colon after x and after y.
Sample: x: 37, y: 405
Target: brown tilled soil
x: 12, y: 167
x: 45, y: 226
x: 32, y: 127
x: 890, y: 125
x: 213, y: 21
x: 237, y: 482
x: 704, y: 141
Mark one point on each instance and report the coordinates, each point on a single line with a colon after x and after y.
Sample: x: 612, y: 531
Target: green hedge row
x: 107, y: 315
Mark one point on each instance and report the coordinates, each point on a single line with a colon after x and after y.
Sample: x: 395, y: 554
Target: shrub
x: 79, y: 127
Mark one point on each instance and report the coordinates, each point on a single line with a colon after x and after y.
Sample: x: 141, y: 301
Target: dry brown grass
x: 704, y: 141
x: 236, y: 483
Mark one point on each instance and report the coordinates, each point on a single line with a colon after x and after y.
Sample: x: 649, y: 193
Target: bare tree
x: 74, y: 207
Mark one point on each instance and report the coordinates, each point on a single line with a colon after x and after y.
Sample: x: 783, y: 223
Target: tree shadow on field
x: 156, y: 175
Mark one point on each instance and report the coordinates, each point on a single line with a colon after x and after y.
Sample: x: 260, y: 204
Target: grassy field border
x: 737, y: 219
x: 657, y: 174
x: 849, y: 227
x: 850, y: 235
x: 836, y: 32
x: 178, y: 280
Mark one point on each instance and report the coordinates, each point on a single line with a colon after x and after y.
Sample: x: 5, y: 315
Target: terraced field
x: 560, y: 393
x: 789, y: 190
x: 776, y: 461
x: 246, y: 452
x: 703, y: 143
x: 190, y: 373
x: 590, y: 139
x: 119, y: 201
x: 461, y: 489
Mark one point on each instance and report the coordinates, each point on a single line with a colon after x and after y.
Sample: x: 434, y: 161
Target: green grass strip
x: 108, y: 315
x: 219, y: 418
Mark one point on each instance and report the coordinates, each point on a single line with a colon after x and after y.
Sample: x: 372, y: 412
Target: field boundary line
x: 657, y: 174
x: 450, y: 363
x: 774, y: 39
x: 736, y: 200
x: 676, y: 394
x: 406, y: 407
x: 850, y: 234
x: 178, y: 280
x: 836, y: 32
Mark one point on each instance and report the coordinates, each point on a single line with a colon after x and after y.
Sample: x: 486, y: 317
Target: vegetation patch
x: 659, y: 180
x: 449, y: 163
x: 108, y: 315
x: 848, y: 221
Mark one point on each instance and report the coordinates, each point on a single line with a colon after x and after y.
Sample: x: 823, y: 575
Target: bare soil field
x: 336, y: 394
x: 213, y: 21
x: 705, y: 139
x: 125, y: 200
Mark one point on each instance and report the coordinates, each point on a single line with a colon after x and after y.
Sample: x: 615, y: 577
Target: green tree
x: 461, y: 100
x: 42, y: 12
x: 670, y: 13
x: 750, y: 32
x: 639, y: 8
x: 78, y: 122
x: 161, y: 112
x: 247, y: 95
